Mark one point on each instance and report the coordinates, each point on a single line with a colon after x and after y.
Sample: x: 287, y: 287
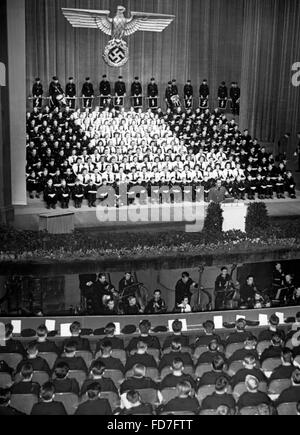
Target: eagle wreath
x: 116, y: 53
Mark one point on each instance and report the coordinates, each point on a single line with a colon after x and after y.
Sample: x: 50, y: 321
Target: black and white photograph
x: 149, y: 210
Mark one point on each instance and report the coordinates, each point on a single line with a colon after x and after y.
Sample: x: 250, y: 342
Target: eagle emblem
x: 119, y: 27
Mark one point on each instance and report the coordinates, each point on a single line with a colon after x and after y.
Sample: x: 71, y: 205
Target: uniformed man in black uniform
x: 88, y: 93
x: 204, y: 94
x: 136, y: 94
x: 37, y: 93
x: 55, y: 91
x: 120, y: 93
x: 168, y: 95
x: 105, y: 92
x: 222, y: 284
x: 222, y: 95
x: 235, y: 94
x: 78, y: 193
x: 188, y: 92
x: 152, y: 94
x: 71, y: 93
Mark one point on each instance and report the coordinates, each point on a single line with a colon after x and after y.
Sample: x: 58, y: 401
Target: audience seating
x: 148, y: 395
x: 201, y: 369
x: 112, y: 397
x: 115, y: 375
x: 234, y: 367
x: 178, y: 413
x: 231, y: 348
x: 183, y: 349
x: 204, y: 391
x: 12, y: 359
x: 38, y: 377
x: 263, y: 345
x: 69, y: 400
x: 169, y: 394
x: 86, y: 356
x: 248, y: 410
x: 5, y: 380
x: 23, y: 402
x: 269, y: 365
x: 79, y: 375
x: 49, y: 357
x: 287, y: 409
x: 198, y: 352
x: 277, y: 386
x: 208, y: 412
x: 116, y: 353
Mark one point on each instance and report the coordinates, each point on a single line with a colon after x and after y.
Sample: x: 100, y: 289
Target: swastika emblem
x: 116, y: 53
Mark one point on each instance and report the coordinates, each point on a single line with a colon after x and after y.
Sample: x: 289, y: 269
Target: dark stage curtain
x: 254, y: 42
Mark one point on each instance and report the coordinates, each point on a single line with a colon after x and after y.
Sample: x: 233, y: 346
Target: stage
x: 142, y: 217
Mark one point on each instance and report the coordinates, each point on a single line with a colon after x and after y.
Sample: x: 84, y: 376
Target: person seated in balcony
x: 109, y: 308
x: 62, y: 383
x: 177, y: 375
x: 33, y: 358
x: 177, y: 333
x: 96, y: 375
x: 42, y: 342
x: 140, y: 357
x: 26, y: 386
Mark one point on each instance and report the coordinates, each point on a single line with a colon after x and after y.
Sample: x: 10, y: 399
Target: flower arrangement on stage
x: 30, y: 246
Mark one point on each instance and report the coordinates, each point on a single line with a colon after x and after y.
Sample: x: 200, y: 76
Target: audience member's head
x: 98, y: 369
x: 241, y: 325
x: 93, y: 391
x: 139, y: 371
x: 287, y: 356
x: 75, y: 329
x: 42, y: 332
x: 110, y: 329
x: 144, y: 327
x: 70, y: 348
x: 249, y: 362
x: 184, y: 389
x: 209, y: 327
x: 8, y: 331
x: 27, y: 372
x: 177, y: 366
x: 106, y: 348
x: 134, y: 398
x: 61, y: 370
x: 177, y: 326
x: 274, y: 321
x: 296, y: 377
x: 32, y: 350
x: 176, y: 345
x: 276, y: 340
x: 141, y: 347
x: 221, y: 385
x: 252, y: 383
x: 250, y: 343
x: 218, y: 363
x: 47, y: 392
